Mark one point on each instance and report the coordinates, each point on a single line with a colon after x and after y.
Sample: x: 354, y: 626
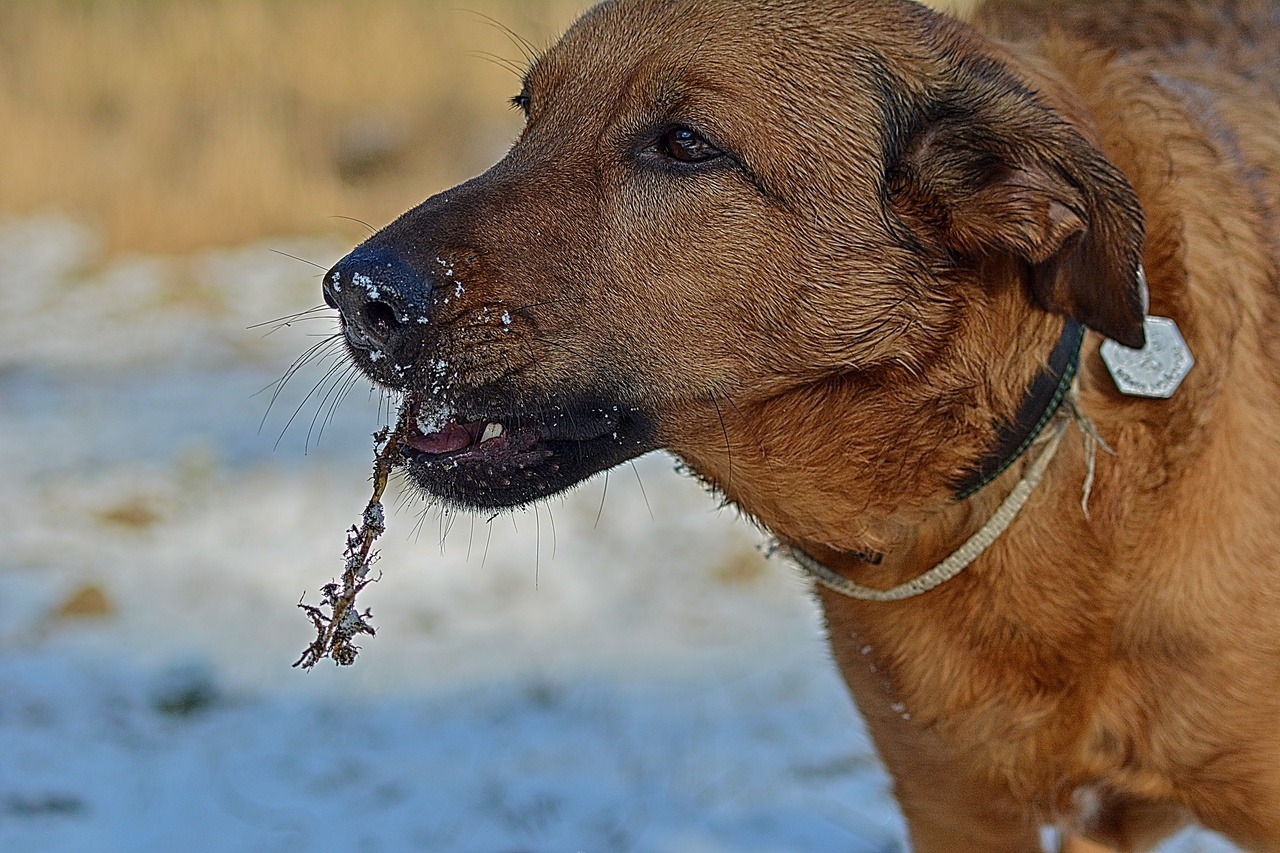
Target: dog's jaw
x: 516, y: 458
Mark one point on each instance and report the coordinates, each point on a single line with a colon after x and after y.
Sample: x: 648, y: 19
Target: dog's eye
x: 688, y: 146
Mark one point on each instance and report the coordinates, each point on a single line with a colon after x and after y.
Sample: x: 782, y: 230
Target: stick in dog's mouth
x: 337, y: 619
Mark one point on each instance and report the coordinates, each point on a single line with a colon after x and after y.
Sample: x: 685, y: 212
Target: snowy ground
x: 619, y: 671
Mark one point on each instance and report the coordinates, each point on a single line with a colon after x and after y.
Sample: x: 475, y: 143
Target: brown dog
x: 823, y: 251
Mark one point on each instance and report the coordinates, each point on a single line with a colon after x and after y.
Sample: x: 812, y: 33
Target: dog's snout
x: 380, y: 297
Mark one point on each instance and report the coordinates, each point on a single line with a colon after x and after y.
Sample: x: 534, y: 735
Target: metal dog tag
x: 1157, y: 369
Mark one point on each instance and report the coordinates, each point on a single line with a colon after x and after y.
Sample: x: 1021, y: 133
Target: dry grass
x: 180, y: 124
x: 175, y: 124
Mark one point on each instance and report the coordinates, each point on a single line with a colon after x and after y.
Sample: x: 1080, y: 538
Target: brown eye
x: 687, y: 146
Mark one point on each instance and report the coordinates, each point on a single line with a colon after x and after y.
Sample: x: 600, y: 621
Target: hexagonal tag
x: 1157, y: 369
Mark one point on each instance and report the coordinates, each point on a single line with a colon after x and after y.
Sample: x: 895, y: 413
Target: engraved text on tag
x: 1157, y: 369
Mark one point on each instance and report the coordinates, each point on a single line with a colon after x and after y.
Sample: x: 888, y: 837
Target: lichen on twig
x: 337, y: 619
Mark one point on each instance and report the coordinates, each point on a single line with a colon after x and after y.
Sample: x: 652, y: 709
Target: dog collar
x: 971, y: 549
x: 1042, y: 400
x: 1051, y: 388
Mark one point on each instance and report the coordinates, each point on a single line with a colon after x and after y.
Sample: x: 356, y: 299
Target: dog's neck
x: 1050, y: 392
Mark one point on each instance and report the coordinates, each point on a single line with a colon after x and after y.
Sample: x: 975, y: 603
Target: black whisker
x: 420, y: 519
x: 316, y: 351
x: 643, y: 493
x: 300, y: 260
x: 728, y: 448
x: 309, y: 354
x: 352, y: 380
x: 537, y: 545
x: 501, y: 61
x: 333, y: 381
x: 764, y: 455
x: 604, y: 493
x: 519, y: 42
x: 448, y: 528
x: 487, y: 540
x: 323, y: 381
x: 372, y: 230
x: 551, y: 516
x: 403, y: 500
x: 471, y: 536
x: 335, y: 392
x: 320, y: 312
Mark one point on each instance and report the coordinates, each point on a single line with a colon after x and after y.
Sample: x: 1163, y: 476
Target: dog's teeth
x: 491, y: 432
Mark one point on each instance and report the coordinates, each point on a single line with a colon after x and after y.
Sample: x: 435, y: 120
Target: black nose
x: 381, y: 299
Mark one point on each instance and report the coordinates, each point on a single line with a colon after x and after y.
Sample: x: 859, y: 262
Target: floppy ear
x: 1007, y: 174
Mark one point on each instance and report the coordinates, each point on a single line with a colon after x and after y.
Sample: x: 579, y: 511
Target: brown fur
x: 829, y: 328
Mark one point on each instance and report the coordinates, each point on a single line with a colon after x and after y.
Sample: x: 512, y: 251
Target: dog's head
x: 752, y: 232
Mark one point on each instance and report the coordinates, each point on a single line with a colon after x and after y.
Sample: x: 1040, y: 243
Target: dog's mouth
x: 499, y: 462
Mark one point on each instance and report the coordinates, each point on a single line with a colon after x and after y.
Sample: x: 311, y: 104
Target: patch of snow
x: 370, y: 287
x: 433, y: 418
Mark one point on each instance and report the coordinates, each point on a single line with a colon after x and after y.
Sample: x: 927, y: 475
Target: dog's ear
x: 1007, y: 174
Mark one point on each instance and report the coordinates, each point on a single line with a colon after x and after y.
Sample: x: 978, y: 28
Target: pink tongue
x: 452, y: 438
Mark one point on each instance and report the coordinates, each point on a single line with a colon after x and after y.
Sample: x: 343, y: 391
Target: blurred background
x: 618, y: 670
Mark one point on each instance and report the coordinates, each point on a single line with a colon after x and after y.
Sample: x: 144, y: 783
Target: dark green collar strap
x: 1042, y: 400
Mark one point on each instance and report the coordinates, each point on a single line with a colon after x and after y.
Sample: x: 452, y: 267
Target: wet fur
x: 829, y: 326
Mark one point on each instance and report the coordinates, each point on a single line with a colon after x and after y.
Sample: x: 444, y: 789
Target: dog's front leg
x: 950, y: 805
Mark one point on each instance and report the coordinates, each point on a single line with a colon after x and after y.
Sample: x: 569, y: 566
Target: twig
x: 336, y: 629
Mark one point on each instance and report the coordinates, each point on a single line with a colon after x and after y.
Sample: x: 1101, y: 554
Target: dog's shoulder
x: 1240, y: 35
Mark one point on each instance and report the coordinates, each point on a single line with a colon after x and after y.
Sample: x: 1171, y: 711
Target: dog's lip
x: 460, y: 452
x: 518, y: 440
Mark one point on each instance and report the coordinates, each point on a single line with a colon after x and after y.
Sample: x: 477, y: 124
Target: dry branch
x: 337, y: 628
